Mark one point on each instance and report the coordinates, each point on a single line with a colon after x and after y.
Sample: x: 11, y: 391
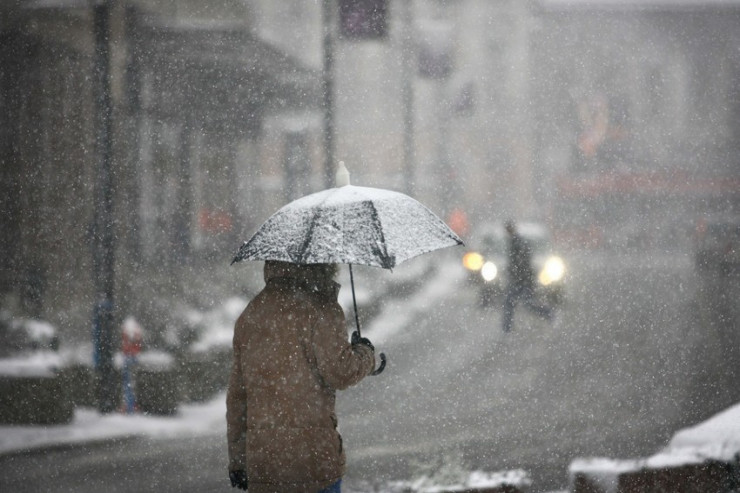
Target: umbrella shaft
x: 354, y: 301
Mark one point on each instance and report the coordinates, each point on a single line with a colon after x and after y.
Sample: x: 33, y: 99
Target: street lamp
x: 328, y: 92
x: 103, y: 242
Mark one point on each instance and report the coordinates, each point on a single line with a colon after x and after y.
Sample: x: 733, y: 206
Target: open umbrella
x: 349, y: 225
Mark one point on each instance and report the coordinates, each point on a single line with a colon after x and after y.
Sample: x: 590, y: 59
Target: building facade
x: 599, y: 117
x: 189, y: 92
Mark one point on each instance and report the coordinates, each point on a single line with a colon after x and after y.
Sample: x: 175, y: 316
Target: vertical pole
x: 354, y: 300
x: 182, y: 217
x: 328, y: 92
x: 103, y: 241
x: 521, y: 121
x: 407, y: 94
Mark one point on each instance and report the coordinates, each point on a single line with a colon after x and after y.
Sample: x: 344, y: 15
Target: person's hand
x: 356, y: 339
x: 238, y: 479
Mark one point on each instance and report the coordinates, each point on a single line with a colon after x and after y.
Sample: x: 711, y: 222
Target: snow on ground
x: 472, y: 480
x: 217, y: 325
x: 88, y: 426
x: 398, y: 313
x: 716, y: 438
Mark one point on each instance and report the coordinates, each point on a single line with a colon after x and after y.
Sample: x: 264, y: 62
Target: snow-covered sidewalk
x: 89, y: 426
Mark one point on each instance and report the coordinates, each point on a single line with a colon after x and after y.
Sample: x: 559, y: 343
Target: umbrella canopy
x: 350, y: 225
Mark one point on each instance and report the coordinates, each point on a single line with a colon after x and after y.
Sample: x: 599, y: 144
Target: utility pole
x: 328, y: 91
x: 408, y: 71
x: 103, y: 242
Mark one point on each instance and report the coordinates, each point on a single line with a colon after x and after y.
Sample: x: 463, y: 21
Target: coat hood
x: 315, y: 277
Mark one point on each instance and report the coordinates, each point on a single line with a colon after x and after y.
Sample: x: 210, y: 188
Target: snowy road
x: 635, y: 355
x: 638, y: 352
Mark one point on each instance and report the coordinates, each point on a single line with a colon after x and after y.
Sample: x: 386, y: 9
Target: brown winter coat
x: 290, y: 356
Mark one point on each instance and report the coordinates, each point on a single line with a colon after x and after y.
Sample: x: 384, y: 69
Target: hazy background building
x: 615, y: 122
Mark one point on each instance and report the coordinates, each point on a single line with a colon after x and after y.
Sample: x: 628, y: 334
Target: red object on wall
x: 214, y: 221
x: 131, y: 337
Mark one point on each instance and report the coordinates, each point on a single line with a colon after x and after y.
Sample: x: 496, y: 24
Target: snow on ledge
x: 36, y: 364
x: 88, y: 425
x: 717, y: 438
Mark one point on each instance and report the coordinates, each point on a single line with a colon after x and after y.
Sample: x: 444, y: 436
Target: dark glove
x: 238, y: 479
x: 356, y: 339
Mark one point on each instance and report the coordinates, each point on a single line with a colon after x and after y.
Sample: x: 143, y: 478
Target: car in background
x: 486, y: 263
x: 717, y: 245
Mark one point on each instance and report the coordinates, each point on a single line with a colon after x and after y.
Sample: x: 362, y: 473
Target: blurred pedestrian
x: 291, y: 355
x: 520, y: 283
x: 131, y: 340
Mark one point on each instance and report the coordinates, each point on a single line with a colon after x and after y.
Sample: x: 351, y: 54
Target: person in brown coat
x: 291, y: 355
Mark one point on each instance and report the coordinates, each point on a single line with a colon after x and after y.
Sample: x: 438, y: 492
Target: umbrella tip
x: 342, y: 176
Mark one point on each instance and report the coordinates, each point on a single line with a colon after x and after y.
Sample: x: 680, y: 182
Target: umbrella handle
x: 380, y: 369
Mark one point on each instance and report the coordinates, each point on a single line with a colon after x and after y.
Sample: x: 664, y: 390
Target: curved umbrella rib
x: 388, y: 261
x: 304, y: 250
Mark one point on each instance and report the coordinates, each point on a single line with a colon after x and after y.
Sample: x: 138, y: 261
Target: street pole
x: 408, y: 70
x: 328, y: 92
x: 103, y: 246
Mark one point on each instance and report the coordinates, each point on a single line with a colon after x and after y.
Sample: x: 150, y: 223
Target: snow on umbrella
x: 350, y: 225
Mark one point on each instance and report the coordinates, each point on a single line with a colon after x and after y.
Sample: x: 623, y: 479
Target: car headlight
x: 489, y: 271
x: 473, y: 261
x: 552, y: 271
